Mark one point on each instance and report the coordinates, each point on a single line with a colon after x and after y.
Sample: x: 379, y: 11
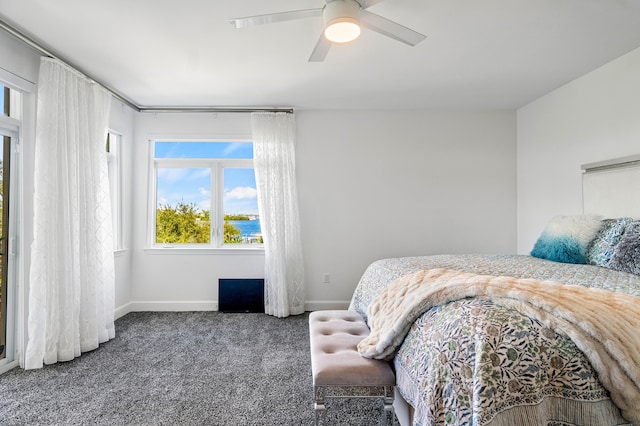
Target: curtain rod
x: 214, y: 109
x: 44, y: 51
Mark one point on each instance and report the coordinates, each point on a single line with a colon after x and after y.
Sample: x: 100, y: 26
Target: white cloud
x: 241, y: 193
x: 170, y: 175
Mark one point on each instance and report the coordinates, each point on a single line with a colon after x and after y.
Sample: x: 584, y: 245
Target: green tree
x: 1, y: 190
x: 235, y: 217
x: 185, y: 224
x: 182, y: 224
x: 1, y: 204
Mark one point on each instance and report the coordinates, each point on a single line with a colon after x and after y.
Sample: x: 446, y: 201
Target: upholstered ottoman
x: 339, y: 371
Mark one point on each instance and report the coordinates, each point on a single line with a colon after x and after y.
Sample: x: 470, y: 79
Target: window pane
x: 241, y: 220
x: 183, y: 204
x: 203, y: 150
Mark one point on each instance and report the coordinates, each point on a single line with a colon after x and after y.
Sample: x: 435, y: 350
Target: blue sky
x: 193, y: 185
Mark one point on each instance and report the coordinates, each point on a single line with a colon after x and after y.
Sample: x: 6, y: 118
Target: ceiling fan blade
x: 270, y: 18
x: 320, y: 51
x: 368, y: 3
x: 389, y: 28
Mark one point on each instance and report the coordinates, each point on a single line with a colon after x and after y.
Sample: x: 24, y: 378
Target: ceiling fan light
x: 342, y: 30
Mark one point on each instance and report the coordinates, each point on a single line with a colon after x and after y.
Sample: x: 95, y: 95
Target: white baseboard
x: 323, y: 305
x: 175, y: 306
x: 123, y: 310
x: 211, y: 305
x: 8, y: 366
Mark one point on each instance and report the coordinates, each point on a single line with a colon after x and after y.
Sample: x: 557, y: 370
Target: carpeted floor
x: 182, y: 368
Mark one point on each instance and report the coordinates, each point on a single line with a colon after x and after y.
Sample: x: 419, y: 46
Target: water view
x: 249, y: 229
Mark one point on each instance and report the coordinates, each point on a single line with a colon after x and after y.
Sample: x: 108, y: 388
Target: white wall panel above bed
x: 592, y: 118
x: 612, y: 188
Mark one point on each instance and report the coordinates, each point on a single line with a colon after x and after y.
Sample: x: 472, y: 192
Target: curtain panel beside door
x: 72, y: 284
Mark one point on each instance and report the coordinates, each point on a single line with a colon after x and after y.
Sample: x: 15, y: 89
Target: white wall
x: 593, y: 118
x: 18, y: 59
x: 371, y: 185
x: 121, y: 121
x: 384, y: 184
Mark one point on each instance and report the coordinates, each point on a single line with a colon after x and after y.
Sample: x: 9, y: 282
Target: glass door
x: 11, y: 331
x: 9, y: 130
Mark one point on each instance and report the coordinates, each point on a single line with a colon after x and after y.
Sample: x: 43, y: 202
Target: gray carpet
x: 186, y: 368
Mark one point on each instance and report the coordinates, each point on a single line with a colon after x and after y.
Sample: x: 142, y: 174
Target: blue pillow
x: 566, y: 238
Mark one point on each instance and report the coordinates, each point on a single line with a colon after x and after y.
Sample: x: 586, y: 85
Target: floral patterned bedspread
x: 472, y: 362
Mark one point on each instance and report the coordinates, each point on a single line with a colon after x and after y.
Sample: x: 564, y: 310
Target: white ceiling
x: 479, y: 54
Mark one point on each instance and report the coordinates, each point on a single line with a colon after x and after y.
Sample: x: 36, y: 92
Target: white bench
x: 336, y: 363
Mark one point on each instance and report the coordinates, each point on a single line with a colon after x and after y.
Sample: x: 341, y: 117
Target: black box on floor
x: 241, y: 295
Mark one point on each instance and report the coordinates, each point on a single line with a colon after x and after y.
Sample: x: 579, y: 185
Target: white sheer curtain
x: 71, y: 295
x: 275, y: 167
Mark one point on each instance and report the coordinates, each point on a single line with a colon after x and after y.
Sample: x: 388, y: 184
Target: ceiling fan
x: 343, y: 19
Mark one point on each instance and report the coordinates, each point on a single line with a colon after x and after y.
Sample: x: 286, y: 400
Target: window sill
x: 205, y: 250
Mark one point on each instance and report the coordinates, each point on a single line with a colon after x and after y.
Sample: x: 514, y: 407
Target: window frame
x: 217, y: 167
x: 14, y: 126
x: 22, y: 126
x: 11, y: 129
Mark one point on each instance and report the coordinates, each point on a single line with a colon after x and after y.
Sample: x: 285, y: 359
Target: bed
x: 475, y: 361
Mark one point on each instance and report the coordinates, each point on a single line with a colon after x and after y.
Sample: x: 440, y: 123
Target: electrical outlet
x: 326, y: 278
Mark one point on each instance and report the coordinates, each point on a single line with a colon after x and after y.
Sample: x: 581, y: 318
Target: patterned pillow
x: 606, y: 240
x: 626, y: 256
x: 566, y: 238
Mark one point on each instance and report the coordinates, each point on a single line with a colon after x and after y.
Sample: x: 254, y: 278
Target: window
x: 204, y: 195
x: 115, y: 187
